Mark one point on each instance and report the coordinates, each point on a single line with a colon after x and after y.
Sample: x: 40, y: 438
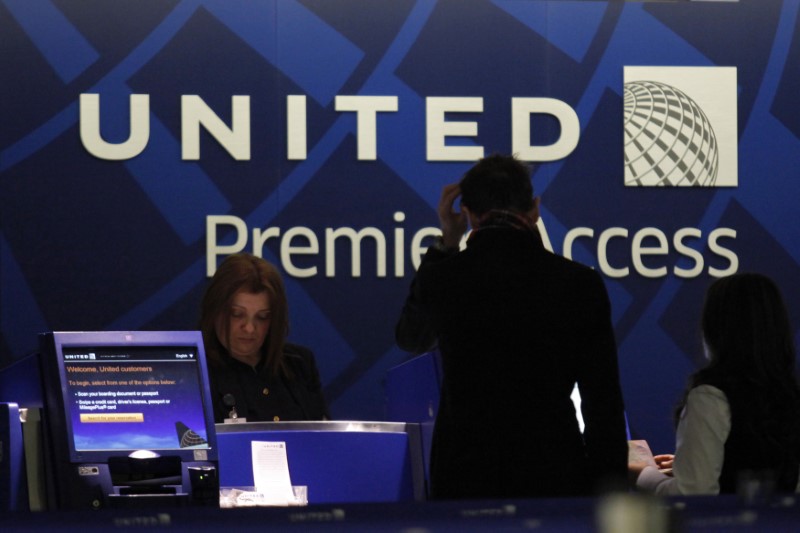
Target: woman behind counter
x: 742, y: 411
x: 252, y: 369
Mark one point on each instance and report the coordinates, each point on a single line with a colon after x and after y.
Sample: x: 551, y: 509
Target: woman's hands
x: 664, y: 463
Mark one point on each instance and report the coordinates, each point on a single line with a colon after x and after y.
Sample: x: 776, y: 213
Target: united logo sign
x: 680, y: 126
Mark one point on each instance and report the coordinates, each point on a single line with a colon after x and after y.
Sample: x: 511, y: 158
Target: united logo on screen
x: 680, y: 127
x: 188, y: 438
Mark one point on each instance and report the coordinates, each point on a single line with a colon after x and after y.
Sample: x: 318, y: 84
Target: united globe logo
x: 672, y: 122
x: 668, y: 138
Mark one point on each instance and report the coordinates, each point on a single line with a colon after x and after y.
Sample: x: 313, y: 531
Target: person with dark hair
x: 255, y: 374
x: 517, y: 327
x: 741, y: 412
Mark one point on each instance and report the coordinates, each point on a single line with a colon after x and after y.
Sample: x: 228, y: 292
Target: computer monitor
x: 127, y: 417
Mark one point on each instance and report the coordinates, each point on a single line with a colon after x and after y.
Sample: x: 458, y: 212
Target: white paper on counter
x: 271, y: 472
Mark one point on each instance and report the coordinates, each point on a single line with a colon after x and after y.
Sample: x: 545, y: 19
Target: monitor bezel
x: 57, y: 409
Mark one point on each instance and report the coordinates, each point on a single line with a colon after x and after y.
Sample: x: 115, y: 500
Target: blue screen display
x: 134, y: 398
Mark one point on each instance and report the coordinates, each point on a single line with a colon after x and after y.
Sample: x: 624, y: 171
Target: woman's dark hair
x: 749, y: 342
x: 251, y: 274
x: 497, y: 182
x: 747, y: 333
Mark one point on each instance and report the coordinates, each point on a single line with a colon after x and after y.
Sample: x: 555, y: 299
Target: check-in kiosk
x: 127, y: 420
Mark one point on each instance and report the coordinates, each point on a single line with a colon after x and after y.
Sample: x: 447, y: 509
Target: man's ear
x: 474, y: 221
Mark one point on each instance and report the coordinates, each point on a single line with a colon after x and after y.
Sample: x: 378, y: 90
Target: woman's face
x: 248, y: 326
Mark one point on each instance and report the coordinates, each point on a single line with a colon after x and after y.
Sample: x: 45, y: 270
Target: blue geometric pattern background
x: 91, y: 244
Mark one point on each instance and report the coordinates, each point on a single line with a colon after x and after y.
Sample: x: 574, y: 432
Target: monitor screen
x: 127, y: 391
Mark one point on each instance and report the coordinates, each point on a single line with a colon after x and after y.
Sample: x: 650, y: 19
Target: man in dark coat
x: 517, y: 327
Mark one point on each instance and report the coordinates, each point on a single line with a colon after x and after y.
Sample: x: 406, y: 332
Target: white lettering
x: 301, y: 240
x: 399, y: 246
x: 686, y: 251
x: 521, y: 111
x: 90, y: 128
x: 602, y: 253
x: 714, y: 246
x: 212, y: 249
x: 638, y: 250
x: 573, y: 234
x: 260, y: 238
x: 417, y: 250
x: 288, y: 249
x: 236, y: 139
x: 355, y: 239
x: 296, y: 126
x: 298, y: 241
x: 366, y: 108
x: 438, y: 129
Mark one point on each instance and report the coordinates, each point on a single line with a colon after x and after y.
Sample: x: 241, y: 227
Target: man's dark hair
x: 497, y: 182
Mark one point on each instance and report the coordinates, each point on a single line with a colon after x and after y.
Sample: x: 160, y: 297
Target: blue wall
x: 116, y: 228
